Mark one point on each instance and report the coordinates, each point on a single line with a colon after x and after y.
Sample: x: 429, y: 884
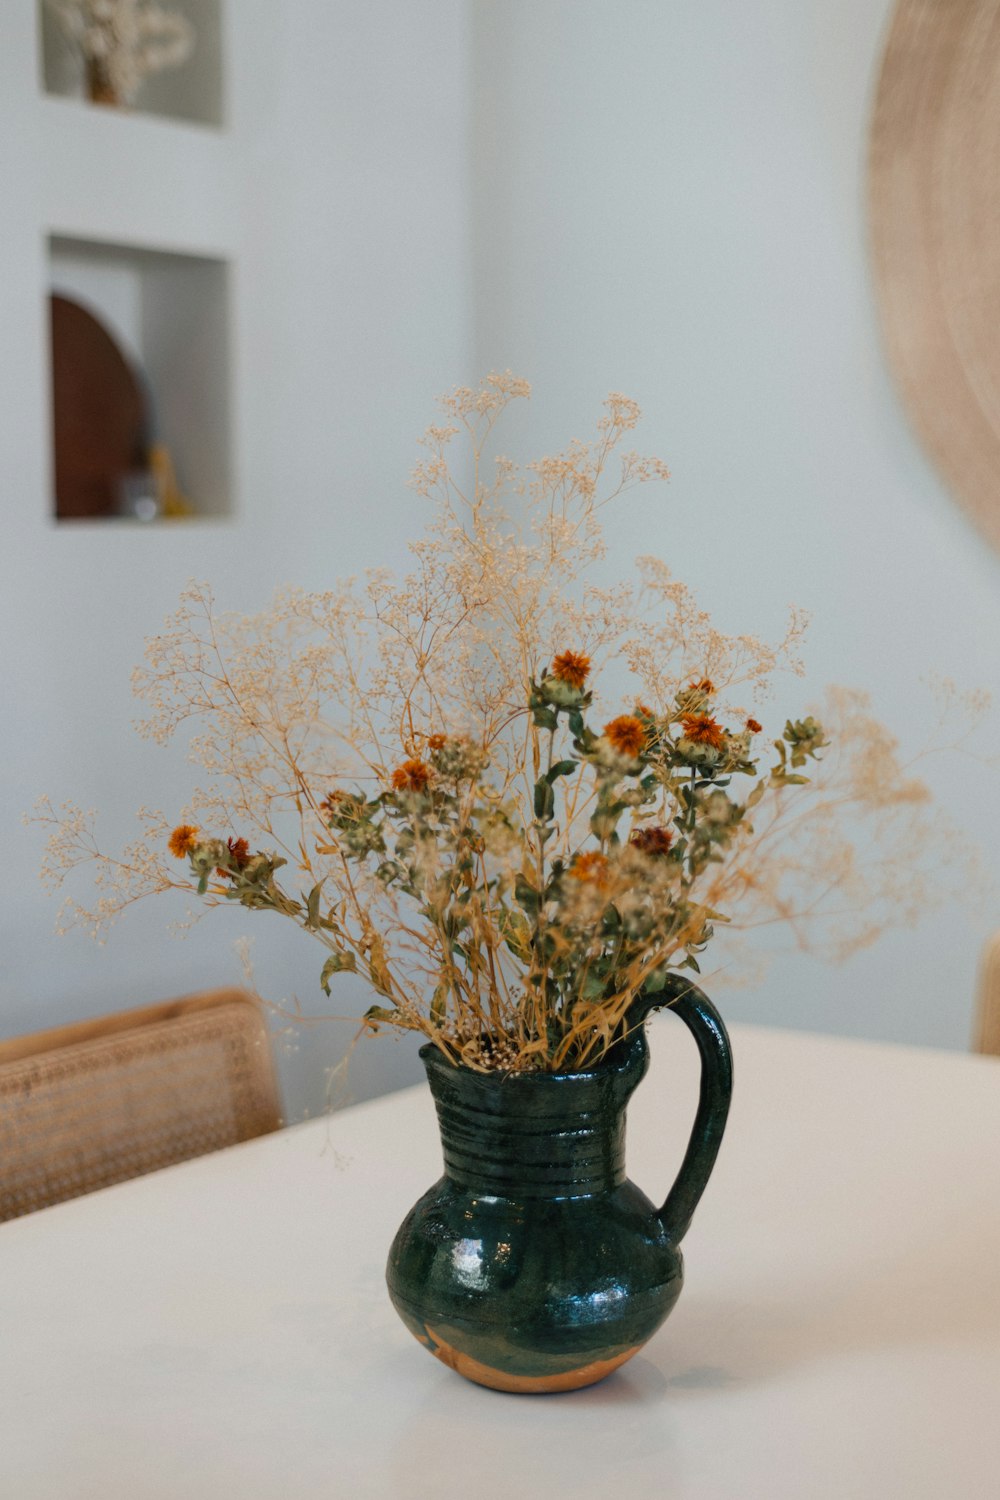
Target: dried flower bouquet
x: 416, y: 772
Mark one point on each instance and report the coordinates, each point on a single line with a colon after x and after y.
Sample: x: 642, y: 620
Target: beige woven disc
x: 935, y: 213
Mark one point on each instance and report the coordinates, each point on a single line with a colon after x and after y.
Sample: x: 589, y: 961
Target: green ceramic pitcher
x: 534, y: 1264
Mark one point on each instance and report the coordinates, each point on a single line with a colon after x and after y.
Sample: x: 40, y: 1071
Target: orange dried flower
x: 591, y: 868
x: 182, y: 840
x: 239, y: 853
x: 654, y: 841
x: 753, y: 726
x: 702, y: 685
x: 411, y: 776
x: 702, y: 729
x: 572, y: 667
x: 645, y: 710
x: 627, y: 734
x: 437, y: 741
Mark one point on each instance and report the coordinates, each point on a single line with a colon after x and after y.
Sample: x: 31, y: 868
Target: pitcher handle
x: 706, y: 1026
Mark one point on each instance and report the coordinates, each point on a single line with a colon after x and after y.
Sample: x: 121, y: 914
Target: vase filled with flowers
x: 519, y: 803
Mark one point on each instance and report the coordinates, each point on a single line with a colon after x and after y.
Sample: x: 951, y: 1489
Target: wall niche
x: 190, y: 89
x: 139, y: 383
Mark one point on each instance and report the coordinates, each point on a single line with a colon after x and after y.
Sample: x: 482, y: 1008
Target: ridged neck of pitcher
x: 536, y: 1135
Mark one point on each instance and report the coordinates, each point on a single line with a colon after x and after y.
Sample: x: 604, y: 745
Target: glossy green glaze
x: 534, y: 1264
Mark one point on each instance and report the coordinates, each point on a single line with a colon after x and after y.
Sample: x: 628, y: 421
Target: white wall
x: 669, y: 201
x: 337, y: 191
x: 666, y: 198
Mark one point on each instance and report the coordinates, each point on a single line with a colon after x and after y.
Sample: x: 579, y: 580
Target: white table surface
x: 222, y: 1328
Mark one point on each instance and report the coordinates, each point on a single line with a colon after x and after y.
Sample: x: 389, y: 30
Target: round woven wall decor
x: 935, y: 215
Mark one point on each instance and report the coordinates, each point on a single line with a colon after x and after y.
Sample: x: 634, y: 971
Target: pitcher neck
x: 534, y: 1135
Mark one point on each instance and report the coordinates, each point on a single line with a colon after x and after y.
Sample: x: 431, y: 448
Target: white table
x: 221, y: 1329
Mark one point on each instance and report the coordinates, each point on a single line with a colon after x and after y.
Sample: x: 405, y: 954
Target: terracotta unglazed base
x: 525, y: 1385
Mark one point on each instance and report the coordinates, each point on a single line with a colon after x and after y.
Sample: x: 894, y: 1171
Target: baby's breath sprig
x: 421, y: 774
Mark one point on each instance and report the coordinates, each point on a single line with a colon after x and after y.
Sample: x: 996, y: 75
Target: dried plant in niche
x: 122, y: 42
x: 418, y: 772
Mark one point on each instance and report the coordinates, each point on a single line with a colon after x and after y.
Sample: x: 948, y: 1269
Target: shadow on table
x: 480, y: 1438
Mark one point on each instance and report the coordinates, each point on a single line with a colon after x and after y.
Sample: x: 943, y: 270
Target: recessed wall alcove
x: 192, y: 91
x: 168, y: 316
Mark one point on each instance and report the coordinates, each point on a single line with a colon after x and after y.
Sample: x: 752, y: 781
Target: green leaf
x: 377, y: 1015
x: 313, y: 918
x: 439, y: 1002
x: 604, y: 821
x: 337, y: 963
x: 526, y: 896
x: 545, y: 718
x: 585, y: 741
x: 592, y: 987
x: 561, y: 768
x: 378, y: 968
x: 544, y: 799
x: 515, y: 929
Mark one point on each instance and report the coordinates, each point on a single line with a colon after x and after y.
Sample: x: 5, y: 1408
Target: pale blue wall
x: 666, y: 198
x: 669, y: 201
x: 346, y: 215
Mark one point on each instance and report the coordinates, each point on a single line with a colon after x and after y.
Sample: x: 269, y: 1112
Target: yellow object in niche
x: 174, y: 505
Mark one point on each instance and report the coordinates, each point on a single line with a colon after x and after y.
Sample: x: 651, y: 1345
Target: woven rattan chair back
x: 87, y: 1105
x: 986, y: 1036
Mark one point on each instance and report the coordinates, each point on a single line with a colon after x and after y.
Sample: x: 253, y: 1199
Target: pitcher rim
x: 629, y: 1057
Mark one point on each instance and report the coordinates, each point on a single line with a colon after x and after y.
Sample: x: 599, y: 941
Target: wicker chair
x: 87, y: 1105
x: 986, y: 1037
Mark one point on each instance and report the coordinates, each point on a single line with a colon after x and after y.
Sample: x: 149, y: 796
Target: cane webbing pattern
x: 986, y: 1037
x: 86, y: 1106
x: 934, y: 196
